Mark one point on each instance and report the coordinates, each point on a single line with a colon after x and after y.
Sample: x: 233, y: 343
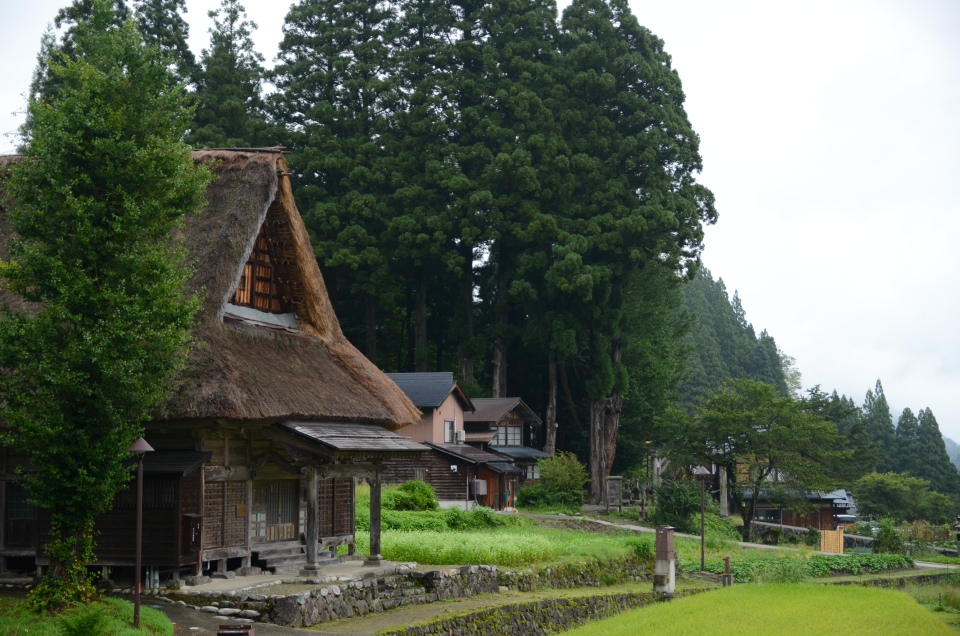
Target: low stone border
x: 900, y: 582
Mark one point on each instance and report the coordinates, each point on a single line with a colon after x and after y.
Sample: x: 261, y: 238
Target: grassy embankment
x: 111, y: 616
x: 801, y: 610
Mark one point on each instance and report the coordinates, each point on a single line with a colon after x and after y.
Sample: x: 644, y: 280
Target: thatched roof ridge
x: 236, y: 371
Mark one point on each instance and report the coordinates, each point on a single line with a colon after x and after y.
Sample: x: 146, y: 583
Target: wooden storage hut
x: 275, y: 413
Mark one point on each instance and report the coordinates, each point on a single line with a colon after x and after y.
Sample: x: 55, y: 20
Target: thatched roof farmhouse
x: 273, y: 416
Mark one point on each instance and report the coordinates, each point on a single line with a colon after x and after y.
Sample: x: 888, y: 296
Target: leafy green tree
x: 901, y: 497
x: 780, y: 450
x: 880, y: 427
x: 162, y: 25
x: 103, y: 184
x: 229, y: 108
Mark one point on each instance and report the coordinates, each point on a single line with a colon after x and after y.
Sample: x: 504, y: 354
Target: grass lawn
x: 111, y: 617
x: 799, y: 610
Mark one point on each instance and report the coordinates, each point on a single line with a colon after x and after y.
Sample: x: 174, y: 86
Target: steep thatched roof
x: 238, y: 370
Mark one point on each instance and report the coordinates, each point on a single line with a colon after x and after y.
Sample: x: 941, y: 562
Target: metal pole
x: 703, y: 506
x: 136, y: 599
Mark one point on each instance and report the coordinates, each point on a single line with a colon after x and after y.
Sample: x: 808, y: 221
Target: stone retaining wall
x: 901, y: 582
x: 536, y: 617
x: 393, y: 587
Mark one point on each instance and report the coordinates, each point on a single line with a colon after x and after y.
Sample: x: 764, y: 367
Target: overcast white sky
x: 830, y: 134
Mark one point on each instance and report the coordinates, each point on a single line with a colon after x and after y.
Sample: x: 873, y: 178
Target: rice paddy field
x: 515, y: 545
x: 760, y: 610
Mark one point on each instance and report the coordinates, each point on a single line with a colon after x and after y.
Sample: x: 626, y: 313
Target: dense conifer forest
x: 511, y: 194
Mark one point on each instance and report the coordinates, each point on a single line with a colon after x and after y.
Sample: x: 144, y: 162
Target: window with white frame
x: 448, y: 428
x: 507, y: 436
x: 533, y: 472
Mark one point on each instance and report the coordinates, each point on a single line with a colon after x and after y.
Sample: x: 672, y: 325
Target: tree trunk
x: 464, y: 357
x: 420, y: 330
x: 371, y: 328
x: 550, y: 443
x: 500, y: 342
x: 598, y: 455
x: 612, y: 416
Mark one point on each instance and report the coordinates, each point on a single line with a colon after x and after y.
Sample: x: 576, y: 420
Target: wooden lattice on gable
x: 270, y: 281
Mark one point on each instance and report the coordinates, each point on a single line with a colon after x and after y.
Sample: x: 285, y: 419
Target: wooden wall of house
x: 166, y: 500
x: 820, y: 517
x: 434, y: 468
x: 224, y: 514
x: 335, y: 507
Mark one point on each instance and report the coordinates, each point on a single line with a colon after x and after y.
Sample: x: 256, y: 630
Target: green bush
x: 560, y: 486
x: 411, y: 495
x: 812, y: 538
x: 888, y: 539
x: 677, y: 503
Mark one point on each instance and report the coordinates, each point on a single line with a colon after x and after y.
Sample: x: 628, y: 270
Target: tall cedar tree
x: 102, y: 187
x: 847, y: 416
x: 424, y: 226
x: 876, y: 413
x: 909, y: 457
x: 634, y: 156
x: 504, y: 142
x: 162, y: 25
x: 936, y: 464
x: 335, y: 84
x: 229, y: 107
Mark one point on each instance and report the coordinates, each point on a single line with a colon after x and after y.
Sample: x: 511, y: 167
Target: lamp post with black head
x: 139, y: 447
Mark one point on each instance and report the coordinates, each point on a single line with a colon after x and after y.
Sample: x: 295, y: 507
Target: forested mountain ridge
x: 722, y: 345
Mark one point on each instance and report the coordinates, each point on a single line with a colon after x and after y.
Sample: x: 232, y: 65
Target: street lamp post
x: 702, y: 475
x: 139, y: 447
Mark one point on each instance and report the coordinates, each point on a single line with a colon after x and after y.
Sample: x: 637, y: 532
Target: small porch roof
x: 351, y: 441
x: 180, y: 463
x: 504, y: 468
x: 466, y: 453
x: 520, y: 452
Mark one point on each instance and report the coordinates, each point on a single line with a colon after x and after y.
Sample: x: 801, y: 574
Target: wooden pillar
x: 352, y: 548
x: 374, y: 558
x: 724, y: 501
x: 313, y: 519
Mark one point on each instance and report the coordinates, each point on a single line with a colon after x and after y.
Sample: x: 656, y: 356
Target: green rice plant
x: 448, y: 548
x: 753, y: 610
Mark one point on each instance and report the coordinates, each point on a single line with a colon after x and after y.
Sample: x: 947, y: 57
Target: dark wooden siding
x: 116, y: 529
x: 335, y: 507
x: 224, y: 514
x: 450, y: 486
